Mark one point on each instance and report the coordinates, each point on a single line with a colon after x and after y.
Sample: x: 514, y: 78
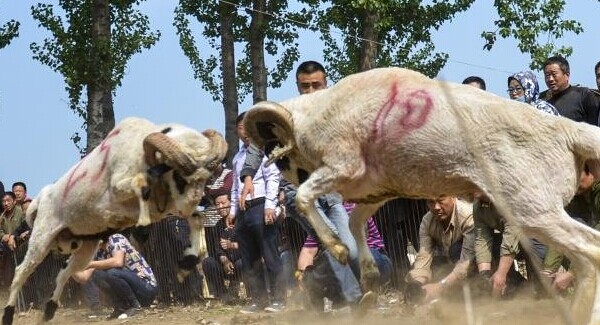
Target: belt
x: 254, y: 202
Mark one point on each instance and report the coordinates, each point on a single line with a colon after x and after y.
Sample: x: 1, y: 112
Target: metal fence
x: 398, y: 222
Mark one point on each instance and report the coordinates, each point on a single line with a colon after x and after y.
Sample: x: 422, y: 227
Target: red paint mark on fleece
x: 73, y: 179
x: 105, y: 149
x: 403, y: 114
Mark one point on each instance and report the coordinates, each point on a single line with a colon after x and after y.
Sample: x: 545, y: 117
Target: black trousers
x: 258, y: 242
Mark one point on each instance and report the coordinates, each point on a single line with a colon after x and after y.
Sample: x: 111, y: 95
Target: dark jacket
x: 579, y: 104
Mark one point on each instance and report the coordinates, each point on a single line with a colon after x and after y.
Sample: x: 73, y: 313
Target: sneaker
x: 128, y: 313
x: 275, y: 307
x: 250, y: 309
x: 115, y: 313
x: 93, y: 312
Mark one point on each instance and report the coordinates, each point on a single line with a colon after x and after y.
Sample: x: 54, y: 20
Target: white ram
x: 137, y: 175
x: 393, y: 132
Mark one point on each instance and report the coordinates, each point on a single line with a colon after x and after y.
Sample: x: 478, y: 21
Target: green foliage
x: 403, y: 27
x: 534, y: 24
x: 68, y: 51
x: 280, y: 42
x: 8, y: 31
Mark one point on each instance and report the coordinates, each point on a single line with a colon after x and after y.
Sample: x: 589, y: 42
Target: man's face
x: 442, y: 207
x: 555, y: 78
x: 585, y: 182
x: 19, y: 193
x: 223, y: 204
x: 241, y: 132
x: 310, y: 82
x: 598, y: 78
x: 8, y: 203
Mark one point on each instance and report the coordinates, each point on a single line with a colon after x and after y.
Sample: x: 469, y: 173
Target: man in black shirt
x: 597, y: 71
x: 573, y: 102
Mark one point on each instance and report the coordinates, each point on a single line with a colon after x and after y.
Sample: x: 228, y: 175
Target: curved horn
x: 218, y: 148
x: 270, y: 126
x: 170, y: 150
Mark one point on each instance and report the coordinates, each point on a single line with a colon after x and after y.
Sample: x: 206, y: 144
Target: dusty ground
x: 520, y: 310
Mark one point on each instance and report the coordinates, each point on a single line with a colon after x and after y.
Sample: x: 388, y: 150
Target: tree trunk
x: 100, y: 115
x: 257, y: 54
x: 368, y: 47
x: 230, y: 93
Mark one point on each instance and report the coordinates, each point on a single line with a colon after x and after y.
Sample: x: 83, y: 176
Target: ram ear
x: 270, y: 127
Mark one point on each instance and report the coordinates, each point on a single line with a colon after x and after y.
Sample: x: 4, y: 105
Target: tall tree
x: 91, y: 50
x: 535, y: 24
x: 260, y: 38
x: 8, y: 31
x: 378, y: 33
x: 398, y: 32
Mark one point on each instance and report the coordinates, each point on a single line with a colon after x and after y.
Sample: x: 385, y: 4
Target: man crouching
x: 446, y: 238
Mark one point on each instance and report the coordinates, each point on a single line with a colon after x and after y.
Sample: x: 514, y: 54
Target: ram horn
x: 270, y: 126
x: 218, y: 148
x: 171, y: 152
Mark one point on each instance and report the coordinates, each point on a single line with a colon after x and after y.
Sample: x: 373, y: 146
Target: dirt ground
x: 520, y: 310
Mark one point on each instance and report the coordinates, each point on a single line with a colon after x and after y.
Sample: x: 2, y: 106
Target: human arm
x: 271, y: 177
x: 499, y: 277
x: 421, y: 271
x: 460, y: 271
x: 563, y: 280
x: 228, y: 266
x: 117, y: 260
x: 307, y: 257
x: 82, y: 276
x: 254, y: 158
x: 483, y: 239
x: 227, y: 244
x: 235, y: 186
x: 590, y: 102
x: 22, y: 230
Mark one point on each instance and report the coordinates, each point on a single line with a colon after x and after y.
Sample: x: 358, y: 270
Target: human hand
x: 413, y: 293
x: 228, y: 267
x: 498, y: 284
x: 247, y: 189
x: 224, y: 243
x: 12, y: 244
x: 562, y: 280
x: 270, y: 216
x: 432, y: 291
x: 482, y: 283
x: 25, y: 234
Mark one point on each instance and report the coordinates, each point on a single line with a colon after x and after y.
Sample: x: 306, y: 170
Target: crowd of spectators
x: 261, y: 251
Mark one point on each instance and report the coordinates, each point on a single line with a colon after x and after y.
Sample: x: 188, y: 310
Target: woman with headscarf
x: 523, y: 87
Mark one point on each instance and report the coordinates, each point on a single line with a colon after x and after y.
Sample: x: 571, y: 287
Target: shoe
x: 250, y: 309
x: 275, y: 307
x: 94, y: 312
x: 128, y: 313
x: 116, y: 313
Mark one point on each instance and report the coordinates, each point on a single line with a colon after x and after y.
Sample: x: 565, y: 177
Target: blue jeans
x: 332, y: 211
x: 384, y: 265
x: 350, y: 287
x: 125, y: 288
x: 334, y: 214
